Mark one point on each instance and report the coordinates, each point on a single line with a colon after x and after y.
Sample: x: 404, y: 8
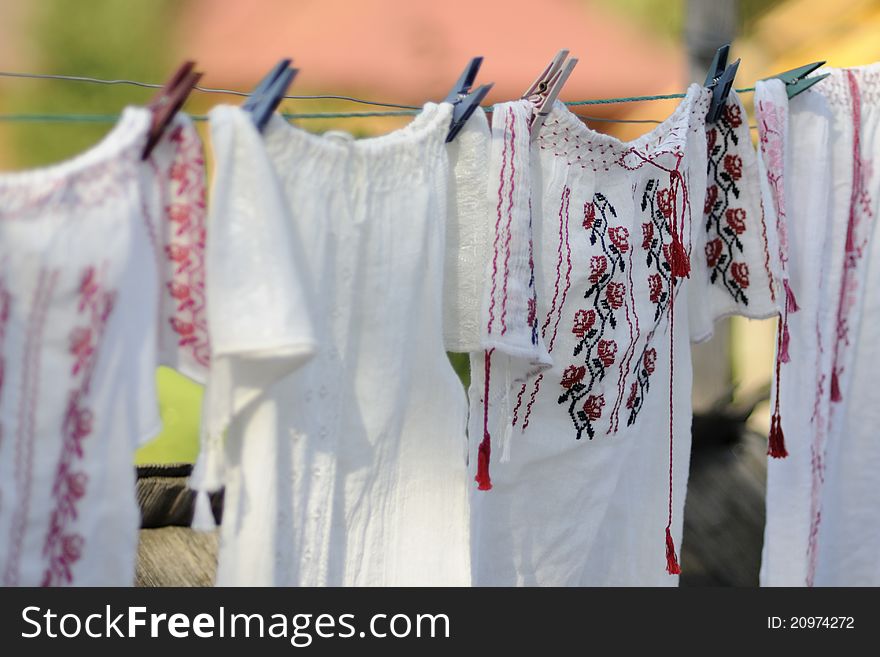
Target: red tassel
x: 484, y: 482
x: 680, y: 263
x: 776, y: 444
x: 835, y: 388
x: 783, y: 343
x: 672, y: 566
x: 791, y: 304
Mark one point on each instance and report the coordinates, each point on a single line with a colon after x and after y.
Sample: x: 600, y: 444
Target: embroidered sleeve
x: 178, y: 231
x: 734, y: 265
x: 511, y: 339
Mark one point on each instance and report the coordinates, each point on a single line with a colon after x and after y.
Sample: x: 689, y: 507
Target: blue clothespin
x: 719, y: 80
x: 269, y: 93
x: 464, y: 101
x: 796, y: 79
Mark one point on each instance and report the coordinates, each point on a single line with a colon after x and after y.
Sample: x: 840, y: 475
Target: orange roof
x: 411, y: 51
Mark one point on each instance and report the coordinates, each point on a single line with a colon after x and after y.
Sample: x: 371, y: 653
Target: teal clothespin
x: 796, y: 79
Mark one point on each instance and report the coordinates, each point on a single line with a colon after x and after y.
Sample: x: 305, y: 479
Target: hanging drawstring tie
x: 776, y: 440
x: 484, y: 482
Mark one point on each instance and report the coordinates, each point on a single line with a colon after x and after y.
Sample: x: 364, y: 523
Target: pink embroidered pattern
x: 63, y: 547
x: 27, y: 412
x: 725, y: 222
x: 859, y: 214
x: 184, y: 251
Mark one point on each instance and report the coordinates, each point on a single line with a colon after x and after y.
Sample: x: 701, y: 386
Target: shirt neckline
x: 128, y: 132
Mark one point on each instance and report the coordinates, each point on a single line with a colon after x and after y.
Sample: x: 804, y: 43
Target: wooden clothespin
x: 464, y: 101
x: 796, y: 80
x: 269, y: 93
x: 719, y: 80
x: 168, y: 102
x: 545, y: 89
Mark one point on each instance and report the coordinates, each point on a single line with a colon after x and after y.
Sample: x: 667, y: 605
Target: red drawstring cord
x: 484, y: 482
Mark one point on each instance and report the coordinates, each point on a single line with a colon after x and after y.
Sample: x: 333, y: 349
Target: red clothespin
x: 546, y: 88
x: 168, y: 102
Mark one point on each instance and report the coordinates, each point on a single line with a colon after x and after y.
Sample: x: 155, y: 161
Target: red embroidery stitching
x: 725, y: 224
x: 185, y: 214
x: 498, y: 211
x: 859, y: 210
x: 24, y: 445
x: 591, y: 325
x: 62, y: 547
x: 564, y: 243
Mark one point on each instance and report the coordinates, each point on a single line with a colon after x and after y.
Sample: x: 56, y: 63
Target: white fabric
x: 823, y: 516
x: 101, y: 281
x: 351, y: 471
x: 584, y: 497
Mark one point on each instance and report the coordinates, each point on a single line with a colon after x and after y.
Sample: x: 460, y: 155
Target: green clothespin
x: 796, y: 79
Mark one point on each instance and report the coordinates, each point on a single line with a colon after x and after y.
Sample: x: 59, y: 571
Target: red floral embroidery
x: 711, y: 139
x: 740, y: 273
x: 633, y: 396
x: 725, y: 222
x: 63, y: 547
x: 711, y: 199
x: 647, y: 235
x: 619, y: 237
x: 185, y: 249
x: 733, y: 115
x: 733, y: 166
x: 598, y: 267
x: 532, y: 315
x: 583, y: 322
x: 590, y: 326
x: 650, y: 360
x: 736, y: 219
x: 607, y: 351
x: 655, y: 287
x: 713, y: 252
x: 664, y: 202
x: 572, y: 375
x: 614, y: 294
x: 589, y: 215
x: 593, y: 406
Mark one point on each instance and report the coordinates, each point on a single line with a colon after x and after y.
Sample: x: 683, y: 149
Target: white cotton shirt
x: 581, y: 492
x: 823, y: 516
x: 351, y: 471
x: 101, y: 281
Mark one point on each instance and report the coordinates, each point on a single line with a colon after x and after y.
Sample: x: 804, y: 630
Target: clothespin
x: 463, y: 100
x: 719, y: 80
x: 269, y: 93
x: 168, y: 102
x: 545, y: 89
x: 796, y: 79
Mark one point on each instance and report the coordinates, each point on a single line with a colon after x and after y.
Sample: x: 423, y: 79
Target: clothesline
x: 400, y: 110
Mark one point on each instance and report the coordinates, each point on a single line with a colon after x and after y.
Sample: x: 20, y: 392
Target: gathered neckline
x: 127, y: 134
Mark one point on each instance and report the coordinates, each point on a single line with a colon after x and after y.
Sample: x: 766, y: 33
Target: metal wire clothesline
x: 399, y: 110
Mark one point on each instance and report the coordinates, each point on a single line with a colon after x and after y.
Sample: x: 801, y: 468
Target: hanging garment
x: 823, y: 519
x: 101, y: 281
x: 636, y: 253
x: 352, y: 470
